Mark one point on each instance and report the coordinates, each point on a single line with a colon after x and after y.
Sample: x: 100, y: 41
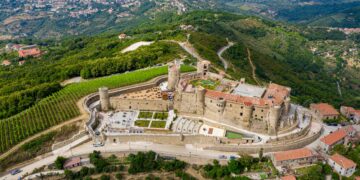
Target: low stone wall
x: 253, y: 149
x: 174, y: 139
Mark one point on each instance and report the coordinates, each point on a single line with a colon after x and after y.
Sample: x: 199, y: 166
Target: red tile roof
x: 293, y: 154
x: 325, y: 109
x: 6, y: 63
x: 29, y: 52
x: 334, y: 137
x: 288, y: 177
x: 276, y: 93
x: 72, y: 161
x: 342, y: 161
x: 357, y: 178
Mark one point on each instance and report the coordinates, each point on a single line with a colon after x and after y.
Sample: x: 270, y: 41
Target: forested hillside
x: 279, y: 52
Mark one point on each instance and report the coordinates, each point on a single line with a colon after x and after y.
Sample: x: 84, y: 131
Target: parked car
x: 15, y: 171
x: 222, y: 157
x: 98, y: 144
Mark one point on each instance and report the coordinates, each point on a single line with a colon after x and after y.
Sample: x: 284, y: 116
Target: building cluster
x: 326, y: 112
x: 23, y: 51
x: 303, y: 157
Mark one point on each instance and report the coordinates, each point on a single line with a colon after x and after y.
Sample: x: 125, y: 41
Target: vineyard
x: 61, y: 106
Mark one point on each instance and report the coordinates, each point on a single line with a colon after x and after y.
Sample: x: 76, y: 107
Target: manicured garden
x: 145, y: 115
x: 158, y: 124
x: 161, y: 115
x: 142, y: 123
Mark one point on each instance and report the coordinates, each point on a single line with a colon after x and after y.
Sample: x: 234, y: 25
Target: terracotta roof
x: 334, y: 137
x: 6, y: 63
x: 342, y: 161
x: 72, y: 161
x: 276, y: 93
x: 293, y: 154
x: 288, y: 177
x: 325, y: 109
x: 357, y: 178
x: 29, y: 52
x: 236, y: 98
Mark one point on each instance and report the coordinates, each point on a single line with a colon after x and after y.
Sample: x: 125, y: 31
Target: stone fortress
x: 236, y: 103
x: 202, y: 107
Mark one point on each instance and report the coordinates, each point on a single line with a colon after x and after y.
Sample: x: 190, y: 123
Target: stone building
x: 351, y: 113
x: 294, y: 158
x: 244, y: 111
x: 342, y: 165
x: 329, y: 141
x: 324, y: 111
x: 225, y: 103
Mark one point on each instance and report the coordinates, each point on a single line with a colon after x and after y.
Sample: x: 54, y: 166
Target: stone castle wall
x: 139, y: 104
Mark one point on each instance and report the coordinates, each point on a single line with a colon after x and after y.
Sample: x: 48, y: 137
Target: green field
x: 142, y: 123
x: 146, y: 115
x: 158, y: 124
x: 207, y: 84
x: 61, y: 106
x: 233, y: 135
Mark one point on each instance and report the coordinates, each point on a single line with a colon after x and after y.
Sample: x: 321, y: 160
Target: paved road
x: 170, y: 150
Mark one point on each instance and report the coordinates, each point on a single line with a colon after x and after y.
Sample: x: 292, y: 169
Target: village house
x: 6, y: 63
x: 122, y: 36
x: 288, y: 177
x: 324, y: 111
x: 29, y: 51
x: 351, y: 113
x: 72, y: 162
x: 342, y: 165
x: 329, y: 141
x: 294, y: 158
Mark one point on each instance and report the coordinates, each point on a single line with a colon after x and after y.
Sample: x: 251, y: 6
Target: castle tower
x: 203, y: 67
x: 220, y: 107
x: 287, y: 105
x: 104, y: 98
x: 274, y: 115
x: 200, y: 100
x: 173, y: 75
x: 247, y: 114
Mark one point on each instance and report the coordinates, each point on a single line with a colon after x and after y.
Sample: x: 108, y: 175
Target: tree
x: 235, y: 166
x: 105, y: 177
x: 119, y: 176
x: 59, y: 162
x: 261, y: 153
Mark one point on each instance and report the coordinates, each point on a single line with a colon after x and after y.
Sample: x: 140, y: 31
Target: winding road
x: 221, y: 51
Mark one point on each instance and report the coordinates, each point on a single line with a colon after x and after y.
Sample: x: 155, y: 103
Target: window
x: 230, y: 105
x: 241, y: 114
x: 262, y: 110
x: 262, y: 117
x: 242, y: 107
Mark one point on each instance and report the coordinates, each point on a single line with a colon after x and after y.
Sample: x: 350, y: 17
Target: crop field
x: 61, y: 106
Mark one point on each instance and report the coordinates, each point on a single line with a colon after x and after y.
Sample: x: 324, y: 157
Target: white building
x: 342, y: 165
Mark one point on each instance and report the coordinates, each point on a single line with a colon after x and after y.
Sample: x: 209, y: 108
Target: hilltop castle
x: 211, y: 96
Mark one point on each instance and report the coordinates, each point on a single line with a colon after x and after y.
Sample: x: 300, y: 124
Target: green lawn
x: 158, y: 124
x: 161, y: 115
x: 142, y: 123
x: 146, y: 115
x: 233, y: 135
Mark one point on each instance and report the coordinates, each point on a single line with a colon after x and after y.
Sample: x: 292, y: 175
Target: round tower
x: 274, y: 115
x: 173, y: 75
x: 200, y: 100
x: 104, y: 98
x: 246, y: 114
